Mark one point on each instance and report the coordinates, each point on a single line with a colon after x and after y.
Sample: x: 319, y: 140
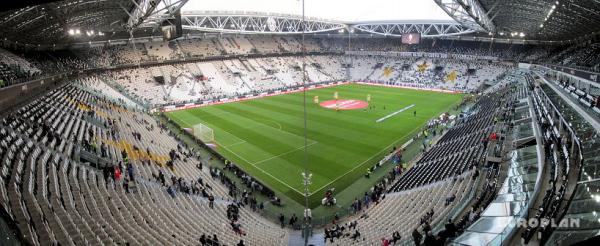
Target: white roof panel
x: 340, y: 10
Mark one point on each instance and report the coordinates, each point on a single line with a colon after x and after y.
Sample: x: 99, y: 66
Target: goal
x: 204, y: 133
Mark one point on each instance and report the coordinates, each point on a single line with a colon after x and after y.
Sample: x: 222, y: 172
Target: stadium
x: 300, y: 122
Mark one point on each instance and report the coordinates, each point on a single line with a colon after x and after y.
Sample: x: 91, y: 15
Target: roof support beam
x: 468, y: 13
x: 150, y: 13
x: 255, y: 23
x: 267, y: 23
x: 425, y: 28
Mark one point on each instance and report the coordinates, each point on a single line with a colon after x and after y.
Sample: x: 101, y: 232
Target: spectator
x: 215, y: 240
x: 450, y: 228
x: 211, y: 201
x: 130, y: 171
x: 203, y: 239
x: 281, y: 220
x: 171, y: 191
x: 385, y: 242
x: 356, y: 235
x: 430, y: 239
x: 417, y: 237
x: 293, y: 220
x: 396, y: 237
x: 117, y: 173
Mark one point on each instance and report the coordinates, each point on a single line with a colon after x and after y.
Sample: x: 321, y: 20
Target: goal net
x: 204, y: 133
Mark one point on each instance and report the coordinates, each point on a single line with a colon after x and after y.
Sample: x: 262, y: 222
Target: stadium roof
x: 49, y: 21
x: 544, y: 19
x: 341, y: 10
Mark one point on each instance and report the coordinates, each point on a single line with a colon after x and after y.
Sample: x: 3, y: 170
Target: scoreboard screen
x: 411, y: 38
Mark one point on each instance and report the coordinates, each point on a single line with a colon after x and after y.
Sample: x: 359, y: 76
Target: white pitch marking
x: 394, y: 113
x: 244, y: 159
x: 273, y: 157
x: 265, y: 172
x: 236, y: 143
x: 280, y: 127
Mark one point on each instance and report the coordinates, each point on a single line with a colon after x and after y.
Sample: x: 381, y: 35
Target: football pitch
x: 265, y: 136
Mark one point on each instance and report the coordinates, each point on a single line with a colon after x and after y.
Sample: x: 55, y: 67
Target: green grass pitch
x: 265, y: 136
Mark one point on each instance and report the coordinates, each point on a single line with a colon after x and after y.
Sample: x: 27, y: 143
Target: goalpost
x: 204, y: 133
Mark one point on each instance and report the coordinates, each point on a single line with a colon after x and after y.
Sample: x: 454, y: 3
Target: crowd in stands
x: 14, y: 68
x: 19, y: 66
x: 582, y: 55
x: 212, y: 80
x: 451, y: 74
x: 48, y: 177
x: 148, y: 168
x: 142, y: 177
x: 415, y: 205
x: 195, y: 82
x: 460, y: 149
x: 73, y: 116
x: 145, y: 181
x: 397, y: 216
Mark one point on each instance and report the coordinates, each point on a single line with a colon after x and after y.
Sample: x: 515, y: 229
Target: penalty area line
x: 256, y: 166
x: 394, y: 113
x: 288, y: 152
x: 262, y: 170
x: 237, y: 143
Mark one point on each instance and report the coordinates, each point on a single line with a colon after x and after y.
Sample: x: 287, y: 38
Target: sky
x: 339, y: 10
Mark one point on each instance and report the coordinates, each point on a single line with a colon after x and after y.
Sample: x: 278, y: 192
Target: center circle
x: 344, y: 104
